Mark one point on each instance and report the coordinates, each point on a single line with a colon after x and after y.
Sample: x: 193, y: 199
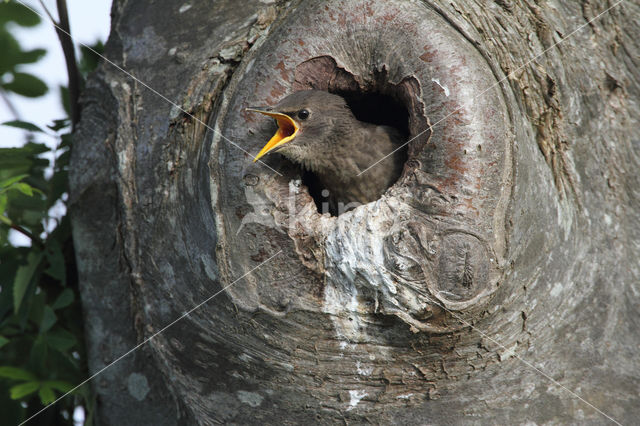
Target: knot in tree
x: 417, y: 231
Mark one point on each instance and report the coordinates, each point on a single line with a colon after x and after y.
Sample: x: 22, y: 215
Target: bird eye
x: 303, y: 114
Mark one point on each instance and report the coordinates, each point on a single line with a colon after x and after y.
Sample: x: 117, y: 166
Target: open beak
x: 287, y: 130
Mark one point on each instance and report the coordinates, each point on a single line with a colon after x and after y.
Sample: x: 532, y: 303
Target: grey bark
x: 510, y: 241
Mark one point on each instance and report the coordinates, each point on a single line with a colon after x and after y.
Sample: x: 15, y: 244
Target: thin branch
x: 34, y: 240
x: 63, y: 30
x: 47, y: 11
x: 64, y: 34
x: 12, y: 108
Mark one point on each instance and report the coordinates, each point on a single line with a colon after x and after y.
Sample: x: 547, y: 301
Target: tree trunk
x: 497, y: 281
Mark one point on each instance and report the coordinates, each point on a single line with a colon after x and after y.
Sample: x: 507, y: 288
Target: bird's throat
x: 287, y: 130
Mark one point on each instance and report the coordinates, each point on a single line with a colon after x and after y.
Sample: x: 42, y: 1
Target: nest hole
x: 371, y: 107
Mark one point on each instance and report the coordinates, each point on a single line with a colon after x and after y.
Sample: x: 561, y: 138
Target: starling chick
x: 317, y: 130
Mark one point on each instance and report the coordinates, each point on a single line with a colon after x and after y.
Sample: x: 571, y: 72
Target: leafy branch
x: 41, y: 337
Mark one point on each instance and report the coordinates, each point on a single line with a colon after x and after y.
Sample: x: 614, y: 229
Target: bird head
x: 307, y: 120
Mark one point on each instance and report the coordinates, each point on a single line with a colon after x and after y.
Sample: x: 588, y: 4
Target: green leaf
x: 10, y: 51
x: 8, y: 182
x: 39, y: 353
x: 66, y: 140
x: 30, y: 56
x: 22, y: 160
x: 24, y: 389
x: 90, y: 57
x: 59, y: 182
x: 13, y: 56
x: 35, y: 148
x: 57, y: 266
x: 23, y: 279
x: 21, y: 15
x: 32, y: 219
x: 59, y: 385
x: 26, y: 85
x: 16, y: 373
x: 59, y: 124
x: 3, y: 205
x: 63, y: 159
x: 49, y: 318
x: 64, y: 299
x: 36, y: 304
x: 46, y: 394
x: 4, y: 238
x: 3, y: 341
x: 23, y: 125
x: 25, y: 188
x: 60, y: 339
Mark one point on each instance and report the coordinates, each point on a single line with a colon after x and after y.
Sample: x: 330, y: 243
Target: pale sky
x: 90, y: 21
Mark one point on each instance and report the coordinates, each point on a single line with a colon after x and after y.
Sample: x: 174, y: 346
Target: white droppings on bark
x: 363, y: 371
x: 355, y: 396
x: 445, y: 88
x: 122, y: 159
x: 566, y: 212
x: 343, y: 307
x: 404, y: 396
x: 184, y: 8
x: 556, y: 290
x: 354, y: 248
x: 250, y: 64
x: 355, y: 261
x: 509, y: 352
x: 250, y: 398
x: 213, y: 190
x: 174, y: 112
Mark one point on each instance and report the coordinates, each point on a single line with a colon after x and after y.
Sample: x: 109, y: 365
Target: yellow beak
x: 287, y: 130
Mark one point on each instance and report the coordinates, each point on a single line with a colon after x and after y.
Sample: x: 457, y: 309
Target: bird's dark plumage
x: 327, y: 139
